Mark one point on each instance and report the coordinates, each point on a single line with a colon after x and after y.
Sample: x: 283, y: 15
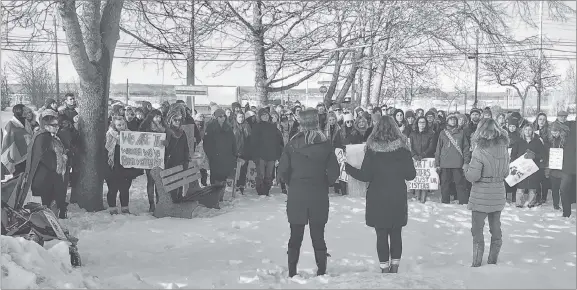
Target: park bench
x: 173, y: 202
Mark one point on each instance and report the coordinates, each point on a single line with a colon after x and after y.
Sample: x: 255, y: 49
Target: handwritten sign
x: 556, y: 158
x: 427, y: 177
x: 141, y: 150
x: 342, y: 159
x: 520, y: 169
x: 355, y: 155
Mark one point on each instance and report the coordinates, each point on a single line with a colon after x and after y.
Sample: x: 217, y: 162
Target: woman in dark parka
x: 220, y: 148
x: 386, y: 166
x: 308, y: 165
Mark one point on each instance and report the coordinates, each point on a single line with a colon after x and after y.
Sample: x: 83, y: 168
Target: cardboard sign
x: 342, y: 159
x: 355, y: 155
x: 141, y: 150
x: 427, y: 177
x: 520, y: 169
x: 556, y: 158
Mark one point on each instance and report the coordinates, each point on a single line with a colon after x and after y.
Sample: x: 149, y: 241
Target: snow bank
x: 27, y: 265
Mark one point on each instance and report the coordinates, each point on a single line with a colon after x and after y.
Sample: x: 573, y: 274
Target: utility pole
x: 127, y: 92
x: 540, y: 80
x: 476, y: 68
x: 190, y: 69
x: 56, y: 57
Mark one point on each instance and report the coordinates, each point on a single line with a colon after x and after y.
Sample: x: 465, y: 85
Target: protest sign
x: 141, y: 150
x: 342, y: 159
x: 556, y: 158
x: 520, y: 169
x: 355, y: 155
x: 427, y: 177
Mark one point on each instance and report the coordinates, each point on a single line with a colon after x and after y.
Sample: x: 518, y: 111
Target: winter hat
x: 235, y: 105
x: 49, y: 102
x: 219, y: 112
x: 262, y: 112
x: 453, y: 116
x: 309, y: 119
x: 248, y: 114
x: 475, y: 110
x: 294, y: 109
x: 347, y: 117
x: 513, y: 120
x: 433, y: 110
x: 366, y: 115
x: 562, y: 113
x: 488, y: 111
x: 409, y: 114
x: 396, y: 112
x: 556, y: 126
x: 430, y: 113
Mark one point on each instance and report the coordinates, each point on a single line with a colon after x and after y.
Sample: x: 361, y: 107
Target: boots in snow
x: 152, y: 207
x: 478, y: 249
x: 494, y: 251
x: 113, y: 210
x: 124, y: 210
x: 385, y: 267
x: 321, y: 259
x: 293, y: 260
x: 63, y: 213
x: 394, y: 266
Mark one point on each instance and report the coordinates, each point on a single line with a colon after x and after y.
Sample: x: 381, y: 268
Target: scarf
x: 61, y: 155
x: 112, y: 139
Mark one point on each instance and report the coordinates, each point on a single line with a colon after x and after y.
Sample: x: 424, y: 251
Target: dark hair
x: 48, y: 118
x: 416, y: 124
x: 145, y: 125
x: 386, y: 130
x: 18, y: 110
x: 68, y: 95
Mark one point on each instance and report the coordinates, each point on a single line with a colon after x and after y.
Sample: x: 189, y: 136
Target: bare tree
x: 69, y: 87
x: 33, y: 71
x: 521, y: 73
x: 569, y: 90
x: 5, y: 92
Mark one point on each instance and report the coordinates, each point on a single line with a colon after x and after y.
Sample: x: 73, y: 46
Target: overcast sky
x: 162, y: 72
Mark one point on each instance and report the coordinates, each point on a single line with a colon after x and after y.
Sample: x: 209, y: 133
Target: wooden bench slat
x: 171, y: 171
x: 183, y: 174
x: 182, y: 182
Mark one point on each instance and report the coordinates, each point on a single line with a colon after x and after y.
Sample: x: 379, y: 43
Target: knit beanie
x: 347, y: 117
x: 409, y: 114
x: 262, y: 112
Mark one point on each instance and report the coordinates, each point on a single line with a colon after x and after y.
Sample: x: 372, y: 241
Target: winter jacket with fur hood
x: 386, y: 167
x: 488, y: 168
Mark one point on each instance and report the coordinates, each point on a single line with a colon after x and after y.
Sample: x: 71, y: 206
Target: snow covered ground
x: 243, y: 246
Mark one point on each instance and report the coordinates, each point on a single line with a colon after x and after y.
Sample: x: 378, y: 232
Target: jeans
x: 317, y: 232
x: 264, y: 171
x: 118, y: 184
x: 568, y: 193
x: 455, y: 175
x: 241, y: 182
x: 395, y: 248
x: 478, y: 223
x: 150, y: 187
x: 555, y: 190
x: 530, y: 201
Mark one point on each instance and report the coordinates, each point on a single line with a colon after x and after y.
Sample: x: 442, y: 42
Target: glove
x: 164, y: 143
x: 465, y: 167
x: 418, y: 157
x: 529, y: 155
x: 438, y: 169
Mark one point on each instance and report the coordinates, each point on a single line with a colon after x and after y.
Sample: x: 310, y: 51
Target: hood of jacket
x: 502, y: 140
x: 312, y: 149
x: 387, y: 146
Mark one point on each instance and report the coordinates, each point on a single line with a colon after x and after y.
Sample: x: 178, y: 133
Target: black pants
x: 512, y: 190
x: 543, y: 189
x: 52, y: 190
x: 203, y: 176
x: 241, y: 182
x: 317, y: 236
x: 568, y: 183
x: 19, y: 168
x: 555, y: 189
x: 449, y: 175
x: 117, y: 184
x: 150, y: 187
x: 384, y: 248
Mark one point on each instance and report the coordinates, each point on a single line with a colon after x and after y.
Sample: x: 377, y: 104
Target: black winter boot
x: 293, y: 260
x: 494, y: 251
x: 152, y: 206
x: 321, y: 259
x: 63, y: 213
x: 478, y: 249
x: 394, y: 266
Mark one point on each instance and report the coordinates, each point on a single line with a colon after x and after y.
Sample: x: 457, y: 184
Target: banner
x: 142, y: 150
x: 342, y: 159
x: 355, y: 155
x: 427, y: 177
x: 520, y: 169
x: 556, y: 158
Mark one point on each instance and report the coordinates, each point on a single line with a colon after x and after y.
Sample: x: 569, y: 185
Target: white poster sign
x: 556, y: 158
x: 427, y: 177
x: 142, y: 150
x: 342, y: 159
x: 355, y: 155
x: 520, y: 169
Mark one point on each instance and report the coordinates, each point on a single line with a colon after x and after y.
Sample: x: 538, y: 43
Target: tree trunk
x: 339, y: 58
x: 523, y: 100
x: 367, y: 77
x: 260, y: 75
x: 350, y: 79
x: 378, y: 82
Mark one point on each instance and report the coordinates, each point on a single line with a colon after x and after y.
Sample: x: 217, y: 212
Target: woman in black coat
x: 309, y: 166
x: 220, y: 148
x: 422, y: 146
x: 531, y: 147
x: 386, y: 166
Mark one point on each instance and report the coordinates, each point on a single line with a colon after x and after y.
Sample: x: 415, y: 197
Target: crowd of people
x: 296, y: 147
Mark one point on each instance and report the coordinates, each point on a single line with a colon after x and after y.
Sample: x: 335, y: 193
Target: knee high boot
x: 494, y: 251
x: 293, y: 260
x: 321, y: 260
x: 478, y: 249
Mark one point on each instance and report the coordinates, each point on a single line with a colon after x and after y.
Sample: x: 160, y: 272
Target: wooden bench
x: 182, y: 203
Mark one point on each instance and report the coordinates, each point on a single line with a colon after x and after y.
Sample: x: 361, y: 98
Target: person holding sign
x: 568, y: 182
x: 530, y: 147
x: 488, y: 168
x: 152, y: 123
x: 556, y: 142
x: 514, y: 137
x: 387, y: 164
x: 422, y: 146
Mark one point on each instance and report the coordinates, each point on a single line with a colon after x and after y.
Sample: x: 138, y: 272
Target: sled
x: 174, y: 201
